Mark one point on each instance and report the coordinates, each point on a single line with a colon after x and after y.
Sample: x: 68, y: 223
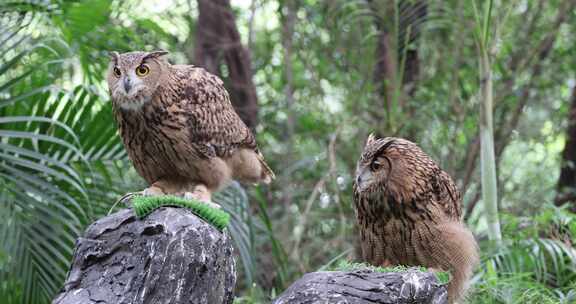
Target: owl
x: 409, y: 212
x: 179, y: 127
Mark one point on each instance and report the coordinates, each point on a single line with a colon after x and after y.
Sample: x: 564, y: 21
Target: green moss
x: 144, y: 205
x: 442, y: 276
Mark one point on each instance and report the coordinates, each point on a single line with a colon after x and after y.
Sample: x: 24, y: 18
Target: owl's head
x: 395, y: 165
x: 134, y: 77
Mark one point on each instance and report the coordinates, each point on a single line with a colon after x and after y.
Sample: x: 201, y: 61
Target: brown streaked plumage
x: 179, y: 127
x: 409, y: 212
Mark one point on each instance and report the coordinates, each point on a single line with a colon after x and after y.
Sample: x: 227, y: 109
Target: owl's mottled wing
x: 447, y: 194
x: 215, y: 128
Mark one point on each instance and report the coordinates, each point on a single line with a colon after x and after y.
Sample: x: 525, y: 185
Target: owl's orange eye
x: 117, y: 72
x: 142, y: 70
x: 375, y: 166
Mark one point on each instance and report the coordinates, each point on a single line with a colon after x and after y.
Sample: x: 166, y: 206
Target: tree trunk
x: 488, y: 177
x: 397, y: 65
x: 217, y: 40
x: 566, y: 189
x: 365, y: 287
x: 170, y: 256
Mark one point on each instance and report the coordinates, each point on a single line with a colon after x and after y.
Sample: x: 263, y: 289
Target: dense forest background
x: 312, y: 79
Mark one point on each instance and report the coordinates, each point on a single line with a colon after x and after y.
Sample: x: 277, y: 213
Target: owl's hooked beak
x: 127, y: 84
x: 363, y: 178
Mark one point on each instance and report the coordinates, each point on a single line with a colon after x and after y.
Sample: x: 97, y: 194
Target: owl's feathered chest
x: 385, y: 208
x: 156, y: 139
x: 389, y: 226
x: 150, y: 122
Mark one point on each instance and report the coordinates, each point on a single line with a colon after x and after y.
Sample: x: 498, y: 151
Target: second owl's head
x: 395, y: 165
x: 134, y: 77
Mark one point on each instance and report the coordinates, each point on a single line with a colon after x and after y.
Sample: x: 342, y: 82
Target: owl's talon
x: 201, y: 197
x: 152, y: 191
x: 189, y: 196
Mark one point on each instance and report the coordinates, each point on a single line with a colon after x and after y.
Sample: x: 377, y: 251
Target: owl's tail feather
x: 267, y: 175
x: 457, y: 252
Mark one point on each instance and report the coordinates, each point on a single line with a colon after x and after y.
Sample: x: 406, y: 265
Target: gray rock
x: 365, y: 287
x: 171, y: 256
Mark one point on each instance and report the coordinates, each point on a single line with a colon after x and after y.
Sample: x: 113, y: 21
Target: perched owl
x: 179, y: 127
x: 408, y: 211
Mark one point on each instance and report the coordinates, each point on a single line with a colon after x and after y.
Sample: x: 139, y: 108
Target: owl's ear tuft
x: 114, y: 56
x: 371, y: 139
x: 155, y: 54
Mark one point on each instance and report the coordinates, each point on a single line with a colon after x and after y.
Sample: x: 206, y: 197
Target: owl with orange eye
x: 179, y: 127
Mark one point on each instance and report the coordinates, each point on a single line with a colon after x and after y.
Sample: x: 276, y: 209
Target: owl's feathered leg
x: 160, y: 187
x: 183, y: 188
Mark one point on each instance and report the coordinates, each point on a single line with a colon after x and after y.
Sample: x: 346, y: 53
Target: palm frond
x: 233, y: 200
x: 45, y: 197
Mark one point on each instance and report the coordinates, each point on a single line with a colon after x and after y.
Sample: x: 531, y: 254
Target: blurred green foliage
x: 62, y: 164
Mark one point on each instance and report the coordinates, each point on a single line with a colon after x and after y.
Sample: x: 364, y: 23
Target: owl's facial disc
x: 364, y: 178
x: 130, y: 91
x: 375, y: 166
x: 373, y: 174
x: 134, y: 77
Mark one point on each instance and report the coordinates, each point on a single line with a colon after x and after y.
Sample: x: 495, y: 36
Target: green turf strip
x: 442, y: 276
x: 144, y: 205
